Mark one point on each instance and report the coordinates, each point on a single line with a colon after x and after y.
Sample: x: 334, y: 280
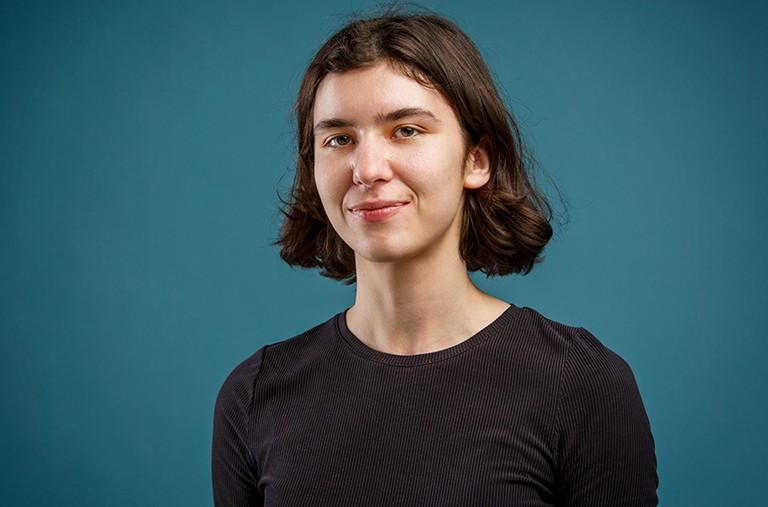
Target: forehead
x: 370, y: 91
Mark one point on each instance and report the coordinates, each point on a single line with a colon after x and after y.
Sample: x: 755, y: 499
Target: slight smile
x: 375, y: 211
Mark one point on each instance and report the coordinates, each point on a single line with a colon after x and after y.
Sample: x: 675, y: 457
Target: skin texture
x: 390, y: 164
x: 391, y: 168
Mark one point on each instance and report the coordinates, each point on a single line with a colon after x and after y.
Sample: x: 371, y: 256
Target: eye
x: 406, y: 132
x: 339, y: 141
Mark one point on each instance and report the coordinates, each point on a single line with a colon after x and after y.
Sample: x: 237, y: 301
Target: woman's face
x: 391, y: 164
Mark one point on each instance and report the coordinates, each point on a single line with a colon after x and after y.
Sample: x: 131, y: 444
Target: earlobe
x: 478, y: 168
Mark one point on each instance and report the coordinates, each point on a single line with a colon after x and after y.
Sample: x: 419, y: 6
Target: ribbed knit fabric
x: 527, y: 412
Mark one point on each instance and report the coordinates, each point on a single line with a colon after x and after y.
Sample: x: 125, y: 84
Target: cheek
x: 329, y: 187
x: 436, y: 172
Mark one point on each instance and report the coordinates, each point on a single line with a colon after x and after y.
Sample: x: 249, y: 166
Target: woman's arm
x: 605, y: 448
x: 234, y: 471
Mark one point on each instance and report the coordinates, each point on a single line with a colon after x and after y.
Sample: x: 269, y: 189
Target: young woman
x: 427, y: 391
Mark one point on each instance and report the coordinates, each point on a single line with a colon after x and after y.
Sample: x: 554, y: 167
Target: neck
x: 418, y: 307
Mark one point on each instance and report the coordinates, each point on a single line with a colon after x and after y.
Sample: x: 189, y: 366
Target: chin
x: 384, y: 253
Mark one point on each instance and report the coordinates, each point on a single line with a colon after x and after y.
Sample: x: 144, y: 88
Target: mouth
x: 377, y: 210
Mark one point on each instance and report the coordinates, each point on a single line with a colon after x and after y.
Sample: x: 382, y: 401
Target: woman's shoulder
x: 572, y: 343
x: 293, y: 353
x: 601, y: 429
x: 570, y: 357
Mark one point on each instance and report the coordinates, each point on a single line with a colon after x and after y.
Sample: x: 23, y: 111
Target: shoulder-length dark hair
x: 505, y: 223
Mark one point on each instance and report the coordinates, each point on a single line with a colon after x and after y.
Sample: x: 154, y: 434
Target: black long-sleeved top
x: 527, y: 412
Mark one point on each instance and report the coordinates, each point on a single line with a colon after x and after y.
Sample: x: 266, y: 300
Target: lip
x: 374, y: 211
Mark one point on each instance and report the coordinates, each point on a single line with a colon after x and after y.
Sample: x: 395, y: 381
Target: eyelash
x: 415, y: 131
x: 332, y: 142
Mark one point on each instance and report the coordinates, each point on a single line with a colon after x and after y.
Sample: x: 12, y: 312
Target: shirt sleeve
x: 606, y: 453
x: 234, y: 471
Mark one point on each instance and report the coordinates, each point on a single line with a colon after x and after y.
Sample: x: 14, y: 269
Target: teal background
x: 142, y: 145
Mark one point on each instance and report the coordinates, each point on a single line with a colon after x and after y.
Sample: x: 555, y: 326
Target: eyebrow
x: 397, y: 114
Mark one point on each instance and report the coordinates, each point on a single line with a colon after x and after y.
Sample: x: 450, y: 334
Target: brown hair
x: 505, y: 223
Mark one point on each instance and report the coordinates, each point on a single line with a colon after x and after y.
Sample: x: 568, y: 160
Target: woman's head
x: 505, y: 223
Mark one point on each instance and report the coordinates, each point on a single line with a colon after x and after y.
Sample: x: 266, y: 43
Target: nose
x: 371, y: 163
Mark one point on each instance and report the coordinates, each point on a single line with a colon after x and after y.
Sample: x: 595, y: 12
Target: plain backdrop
x: 142, y: 148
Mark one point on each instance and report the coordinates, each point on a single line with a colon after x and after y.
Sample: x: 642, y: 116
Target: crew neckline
x: 429, y: 357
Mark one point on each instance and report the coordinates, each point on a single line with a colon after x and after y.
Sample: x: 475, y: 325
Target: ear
x: 477, y: 168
